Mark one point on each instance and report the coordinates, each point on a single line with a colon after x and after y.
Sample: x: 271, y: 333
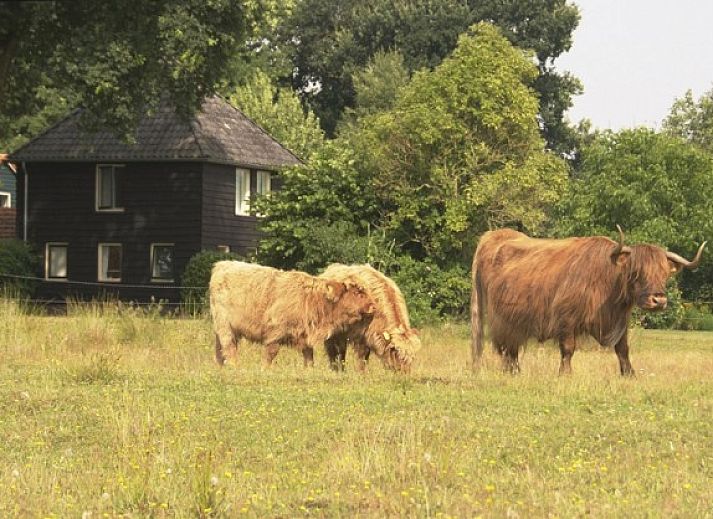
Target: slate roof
x: 218, y: 133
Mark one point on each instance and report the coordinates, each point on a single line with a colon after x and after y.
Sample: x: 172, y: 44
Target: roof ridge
x: 265, y: 132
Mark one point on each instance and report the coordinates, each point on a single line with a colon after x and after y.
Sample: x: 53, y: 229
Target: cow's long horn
x: 683, y: 261
x: 620, y: 245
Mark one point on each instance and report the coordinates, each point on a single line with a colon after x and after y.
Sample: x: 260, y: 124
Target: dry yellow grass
x: 115, y: 414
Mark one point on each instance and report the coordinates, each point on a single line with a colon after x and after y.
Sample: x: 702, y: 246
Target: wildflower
x: 214, y: 480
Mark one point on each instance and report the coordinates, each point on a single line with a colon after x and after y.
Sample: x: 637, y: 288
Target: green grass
x: 121, y: 415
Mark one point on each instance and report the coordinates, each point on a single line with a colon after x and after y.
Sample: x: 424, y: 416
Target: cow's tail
x: 476, y: 315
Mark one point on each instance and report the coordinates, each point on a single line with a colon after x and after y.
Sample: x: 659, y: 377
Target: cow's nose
x: 660, y: 301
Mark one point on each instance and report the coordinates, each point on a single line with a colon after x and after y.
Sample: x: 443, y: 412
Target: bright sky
x: 635, y: 57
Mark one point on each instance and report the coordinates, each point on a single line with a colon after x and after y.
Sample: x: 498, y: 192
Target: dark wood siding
x: 221, y: 226
x: 161, y: 202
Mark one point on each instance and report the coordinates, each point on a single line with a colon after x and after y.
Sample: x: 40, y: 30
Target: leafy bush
x: 432, y: 293
x: 196, y: 277
x: 696, y: 317
x: 669, y: 318
x: 18, y: 259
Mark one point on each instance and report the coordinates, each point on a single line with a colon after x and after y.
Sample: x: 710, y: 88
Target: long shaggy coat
x: 388, y: 334
x: 562, y: 289
x: 275, y: 307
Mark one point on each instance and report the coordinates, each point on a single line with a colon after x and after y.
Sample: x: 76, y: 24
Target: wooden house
x: 124, y: 219
x: 8, y: 200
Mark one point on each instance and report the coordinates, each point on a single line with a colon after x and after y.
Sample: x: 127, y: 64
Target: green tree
x: 280, y: 112
x: 330, y: 40
x: 117, y: 59
x: 657, y: 187
x: 692, y: 120
x: 376, y: 85
x: 460, y: 152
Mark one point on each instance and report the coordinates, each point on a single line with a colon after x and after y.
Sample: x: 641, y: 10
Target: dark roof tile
x: 218, y: 132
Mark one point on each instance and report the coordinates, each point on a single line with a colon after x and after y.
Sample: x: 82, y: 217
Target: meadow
x: 116, y: 413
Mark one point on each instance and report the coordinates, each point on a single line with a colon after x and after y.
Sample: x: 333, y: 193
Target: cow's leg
x: 270, y: 353
x: 361, y: 354
x: 308, y: 356
x: 336, y: 352
x: 567, y: 347
x: 511, y: 363
x: 225, y: 343
x: 622, y: 352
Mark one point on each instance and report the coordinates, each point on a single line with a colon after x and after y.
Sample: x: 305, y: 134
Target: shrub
x: 196, y: 277
x: 432, y: 293
x: 696, y: 317
x: 18, y: 259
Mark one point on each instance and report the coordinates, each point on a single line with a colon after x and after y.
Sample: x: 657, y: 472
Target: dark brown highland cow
x: 562, y: 289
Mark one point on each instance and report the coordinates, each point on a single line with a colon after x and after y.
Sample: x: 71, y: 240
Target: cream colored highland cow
x: 275, y: 307
x: 388, y: 333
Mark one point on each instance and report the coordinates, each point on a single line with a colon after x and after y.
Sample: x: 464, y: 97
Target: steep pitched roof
x: 217, y: 133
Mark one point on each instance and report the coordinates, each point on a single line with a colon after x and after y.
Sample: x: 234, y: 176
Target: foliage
x: 196, y: 277
x: 280, y: 112
x: 657, y: 187
x: 17, y: 259
x: 329, y: 41
x: 696, y: 317
x: 431, y: 292
x: 376, y: 86
x: 328, y: 191
x: 691, y: 120
x: 116, y: 59
x: 460, y: 151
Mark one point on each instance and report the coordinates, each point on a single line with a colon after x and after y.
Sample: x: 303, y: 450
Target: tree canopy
x: 116, y: 59
x: 329, y: 40
x: 692, y: 120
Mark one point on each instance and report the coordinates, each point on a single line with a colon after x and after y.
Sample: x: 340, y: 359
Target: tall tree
x: 329, y: 40
x: 458, y: 153
x: 692, y: 120
x: 117, y: 59
x: 280, y: 112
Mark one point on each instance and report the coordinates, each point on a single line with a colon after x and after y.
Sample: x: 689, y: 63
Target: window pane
x: 110, y: 262
x: 242, y: 191
x: 106, y: 187
x: 4, y: 200
x: 263, y: 182
x: 162, y: 262
x: 57, y: 261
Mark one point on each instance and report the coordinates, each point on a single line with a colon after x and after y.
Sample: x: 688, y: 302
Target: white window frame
x: 100, y: 277
x: 9, y: 198
x: 242, y: 191
x: 151, y: 265
x: 48, y: 245
x: 225, y: 249
x: 97, y: 185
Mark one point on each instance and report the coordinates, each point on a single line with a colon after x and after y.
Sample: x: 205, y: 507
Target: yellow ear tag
x: 387, y: 336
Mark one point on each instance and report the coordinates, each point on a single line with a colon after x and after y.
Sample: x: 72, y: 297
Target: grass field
x: 106, y: 414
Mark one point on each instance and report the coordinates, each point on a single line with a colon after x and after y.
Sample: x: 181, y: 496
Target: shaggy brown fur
x: 388, y: 333
x: 562, y: 289
x: 274, y: 307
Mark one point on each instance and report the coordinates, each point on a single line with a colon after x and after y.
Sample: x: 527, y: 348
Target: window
x: 242, y: 191
x: 162, y: 261
x: 225, y: 249
x: 109, y: 262
x: 106, y: 187
x: 5, y: 199
x: 249, y: 184
x: 56, y: 261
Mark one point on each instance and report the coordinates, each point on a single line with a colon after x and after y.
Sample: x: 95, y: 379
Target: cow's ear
x: 674, y: 267
x: 335, y: 291
x: 623, y: 258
